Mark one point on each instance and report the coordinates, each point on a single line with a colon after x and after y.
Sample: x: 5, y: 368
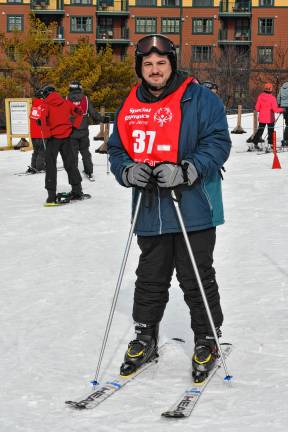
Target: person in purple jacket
x: 266, y: 106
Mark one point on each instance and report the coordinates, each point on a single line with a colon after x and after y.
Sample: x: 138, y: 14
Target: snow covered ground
x: 59, y: 268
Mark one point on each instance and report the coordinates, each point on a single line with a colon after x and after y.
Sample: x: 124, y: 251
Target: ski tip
x: 173, y: 414
x: 228, y: 378
x: 178, y: 339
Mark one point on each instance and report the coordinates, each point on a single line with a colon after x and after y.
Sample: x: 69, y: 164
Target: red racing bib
x: 150, y: 131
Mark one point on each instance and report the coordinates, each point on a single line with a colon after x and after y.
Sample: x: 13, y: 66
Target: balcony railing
x: 238, y: 37
x: 112, y: 35
x: 235, y: 8
x: 59, y: 37
x: 112, y: 7
x: 47, y: 6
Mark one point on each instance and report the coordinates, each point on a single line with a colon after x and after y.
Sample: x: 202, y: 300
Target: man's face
x: 156, y: 69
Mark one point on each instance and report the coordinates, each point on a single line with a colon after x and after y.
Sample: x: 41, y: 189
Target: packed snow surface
x: 59, y: 268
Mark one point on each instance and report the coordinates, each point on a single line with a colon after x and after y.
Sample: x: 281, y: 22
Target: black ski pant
x: 81, y: 145
x: 62, y: 146
x: 160, y: 255
x: 260, y: 131
x: 38, y: 155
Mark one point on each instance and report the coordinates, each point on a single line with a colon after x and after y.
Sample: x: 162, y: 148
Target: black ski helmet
x: 158, y: 43
x: 75, y: 85
x: 210, y: 85
x: 46, y: 90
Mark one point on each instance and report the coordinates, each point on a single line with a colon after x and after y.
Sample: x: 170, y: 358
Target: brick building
x: 201, y: 29
x: 198, y: 27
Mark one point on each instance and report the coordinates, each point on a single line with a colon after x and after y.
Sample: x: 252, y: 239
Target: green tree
x: 104, y: 79
x: 29, y: 56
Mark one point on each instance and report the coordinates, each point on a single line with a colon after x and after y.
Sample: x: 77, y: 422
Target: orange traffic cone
x: 276, y: 163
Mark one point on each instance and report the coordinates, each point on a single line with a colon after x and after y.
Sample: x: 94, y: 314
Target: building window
x: 170, y: 3
x: 170, y: 25
x: 203, y: 3
x: 15, y: 23
x: 201, y: 53
x: 146, y: 25
x: 15, y: 1
x: 81, y: 2
x: 82, y: 24
x: 146, y: 3
x: 266, y: 26
x: 266, y: 3
x: 265, y: 55
x: 202, y: 26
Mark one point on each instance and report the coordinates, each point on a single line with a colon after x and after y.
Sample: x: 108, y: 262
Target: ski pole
x: 196, y: 271
x: 119, y: 281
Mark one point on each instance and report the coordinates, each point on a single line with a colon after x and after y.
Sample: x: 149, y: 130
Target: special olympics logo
x: 163, y: 116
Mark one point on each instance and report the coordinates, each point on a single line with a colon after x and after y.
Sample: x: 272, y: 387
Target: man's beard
x: 157, y: 87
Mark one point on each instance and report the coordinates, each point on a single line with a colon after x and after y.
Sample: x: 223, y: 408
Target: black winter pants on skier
x: 160, y: 255
x: 260, y: 131
x: 62, y: 146
x: 38, y: 155
x: 81, y: 145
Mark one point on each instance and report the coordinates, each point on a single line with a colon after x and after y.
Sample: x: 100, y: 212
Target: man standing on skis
x: 171, y: 133
x: 80, y: 136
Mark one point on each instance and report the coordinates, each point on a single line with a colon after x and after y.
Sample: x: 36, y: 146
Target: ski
x: 189, y: 398
x: 25, y: 173
x: 107, y: 389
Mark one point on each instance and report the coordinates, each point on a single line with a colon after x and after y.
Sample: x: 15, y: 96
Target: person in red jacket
x: 266, y: 106
x: 39, y: 135
x: 60, y: 116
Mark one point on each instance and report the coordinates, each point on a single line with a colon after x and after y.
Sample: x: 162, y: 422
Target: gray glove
x: 137, y: 175
x: 170, y: 175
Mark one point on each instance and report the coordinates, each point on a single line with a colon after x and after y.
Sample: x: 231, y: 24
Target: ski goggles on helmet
x: 156, y: 42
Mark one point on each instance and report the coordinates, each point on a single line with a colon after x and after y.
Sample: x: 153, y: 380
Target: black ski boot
x: 204, y: 357
x: 141, y: 350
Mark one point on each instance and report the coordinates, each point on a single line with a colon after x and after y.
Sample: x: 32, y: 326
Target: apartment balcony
x: 235, y: 9
x: 47, y: 7
x: 106, y: 36
x: 239, y: 37
x: 59, y: 37
x: 112, y: 8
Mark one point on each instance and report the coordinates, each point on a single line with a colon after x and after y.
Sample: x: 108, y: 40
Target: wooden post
x: 238, y: 129
x: 255, y: 126
x: 100, y: 135
x: 255, y: 122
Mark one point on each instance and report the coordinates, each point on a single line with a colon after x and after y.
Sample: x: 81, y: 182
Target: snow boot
x: 76, y: 193
x: 141, y: 350
x: 51, y: 200
x: 204, y: 357
x: 31, y: 170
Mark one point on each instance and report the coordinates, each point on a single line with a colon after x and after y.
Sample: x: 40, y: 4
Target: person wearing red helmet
x: 266, y: 106
x: 169, y: 133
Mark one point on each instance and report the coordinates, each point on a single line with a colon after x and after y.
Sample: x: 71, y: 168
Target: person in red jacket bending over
x: 266, y: 106
x: 39, y: 134
x: 60, y: 117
